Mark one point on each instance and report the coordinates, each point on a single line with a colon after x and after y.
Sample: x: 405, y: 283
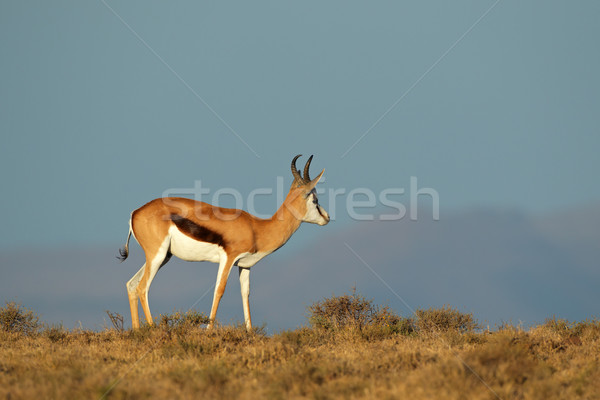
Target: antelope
x: 195, y: 231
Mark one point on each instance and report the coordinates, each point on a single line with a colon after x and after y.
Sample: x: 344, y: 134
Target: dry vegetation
x: 352, y: 349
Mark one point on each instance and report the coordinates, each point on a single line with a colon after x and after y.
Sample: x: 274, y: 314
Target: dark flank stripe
x: 198, y: 232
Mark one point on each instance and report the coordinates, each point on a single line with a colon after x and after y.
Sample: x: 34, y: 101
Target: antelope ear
x: 311, y: 185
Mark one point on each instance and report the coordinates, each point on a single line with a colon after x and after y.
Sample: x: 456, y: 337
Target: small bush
x: 18, y: 319
x: 444, y: 319
x: 559, y: 325
x: 588, y: 329
x: 568, y: 329
x: 57, y: 333
x: 179, y: 320
x: 340, y: 311
x: 354, y: 311
x: 406, y: 326
x: 195, y: 318
x: 180, y: 324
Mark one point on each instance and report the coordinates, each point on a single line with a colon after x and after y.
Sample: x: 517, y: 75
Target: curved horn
x: 306, y: 176
x: 295, y: 172
x: 311, y: 185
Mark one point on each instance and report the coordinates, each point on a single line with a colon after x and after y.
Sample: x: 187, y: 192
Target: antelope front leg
x: 245, y: 288
x: 222, y: 275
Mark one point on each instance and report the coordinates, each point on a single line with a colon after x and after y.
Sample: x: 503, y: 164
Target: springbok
x: 197, y: 231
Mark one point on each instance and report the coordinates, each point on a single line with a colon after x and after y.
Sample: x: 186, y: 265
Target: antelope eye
x: 315, y: 201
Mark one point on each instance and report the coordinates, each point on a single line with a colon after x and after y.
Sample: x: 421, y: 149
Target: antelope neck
x: 279, y: 228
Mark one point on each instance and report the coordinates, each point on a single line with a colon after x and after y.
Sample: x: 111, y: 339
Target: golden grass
x: 179, y: 359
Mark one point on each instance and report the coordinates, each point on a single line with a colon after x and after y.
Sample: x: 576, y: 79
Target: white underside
x: 247, y: 260
x: 188, y: 249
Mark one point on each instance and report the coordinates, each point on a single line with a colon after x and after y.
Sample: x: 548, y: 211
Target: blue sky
x: 105, y: 105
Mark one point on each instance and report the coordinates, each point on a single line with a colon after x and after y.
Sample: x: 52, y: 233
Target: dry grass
x: 373, y: 354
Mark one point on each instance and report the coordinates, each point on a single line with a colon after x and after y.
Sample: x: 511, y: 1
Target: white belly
x: 247, y: 260
x: 189, y: 249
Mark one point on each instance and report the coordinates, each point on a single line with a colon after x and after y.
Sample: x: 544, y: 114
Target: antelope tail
x: 124, y: 251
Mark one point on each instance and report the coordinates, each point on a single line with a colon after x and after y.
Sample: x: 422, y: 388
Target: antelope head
x: 304, y: 195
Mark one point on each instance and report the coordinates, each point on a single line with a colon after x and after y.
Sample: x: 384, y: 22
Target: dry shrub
x: 589, y: 329
x: 189, y: 319
x: 355, y: 312
x: 180, y: 324
x: 444, y: 319
x: 562, y: 327
x: 18, y: 319
x: 337, y: 312
x: 57, y: 333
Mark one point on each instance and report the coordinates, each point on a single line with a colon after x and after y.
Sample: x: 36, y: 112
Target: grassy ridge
x: 352, y: 349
